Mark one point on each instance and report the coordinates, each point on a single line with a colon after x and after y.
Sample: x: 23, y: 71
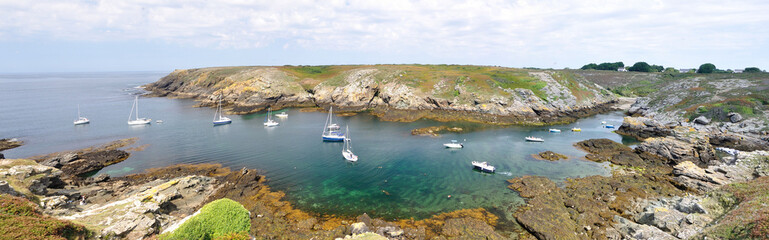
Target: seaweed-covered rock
x: 469, y: 228
x: 551, y: 156
x: 6, y: 143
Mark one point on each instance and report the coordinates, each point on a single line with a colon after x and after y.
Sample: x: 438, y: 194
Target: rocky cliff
x: 397, y: 92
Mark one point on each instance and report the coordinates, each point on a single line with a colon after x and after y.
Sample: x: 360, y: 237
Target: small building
x: 622, y: 69
x: 686, y: 70
x: 739, y: 70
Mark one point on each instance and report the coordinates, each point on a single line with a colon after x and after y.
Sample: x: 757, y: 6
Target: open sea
x: 397, y: 175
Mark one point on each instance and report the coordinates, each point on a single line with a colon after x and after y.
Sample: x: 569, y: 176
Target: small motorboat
x: 159, y: 121
x: 603, y: 122
x: 553, y: 130
x: 534, y: 139
x: 483, y: 166
x: 609, y: 126
x: 576, y: 129
x: 453, y: 144
x: 282, y: 115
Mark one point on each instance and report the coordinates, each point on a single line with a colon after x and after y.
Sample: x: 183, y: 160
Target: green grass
x: 219, y: 219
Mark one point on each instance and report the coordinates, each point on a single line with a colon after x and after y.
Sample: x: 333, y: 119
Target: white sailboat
x: 218, y: 118
x: 347, y: 149
x: 331, y: 130
x: 80, y: 119
x: 270, y: 122
x: 137, y: 120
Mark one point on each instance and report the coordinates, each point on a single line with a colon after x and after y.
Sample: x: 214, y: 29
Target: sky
x: 157, y: 35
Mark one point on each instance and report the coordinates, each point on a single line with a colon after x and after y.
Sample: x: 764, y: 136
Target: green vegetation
x: 645, y: 67
x: 752, y: 70
x: 706, y: 68
x: 220, y: 219
x: 21, y: 219
x: 749, y: 220
x: 604, y: 66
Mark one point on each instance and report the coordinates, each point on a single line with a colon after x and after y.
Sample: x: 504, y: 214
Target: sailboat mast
x: 137, y: 107
x: 132, y: 111
x: 78, y: 111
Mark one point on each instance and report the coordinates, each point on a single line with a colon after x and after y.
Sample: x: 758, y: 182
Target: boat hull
x: 140, y: 122
x: 453, y: 145
x: 222, y: 122
x: 82, y: 122
x: 349, y: 156
x: 333, y: 138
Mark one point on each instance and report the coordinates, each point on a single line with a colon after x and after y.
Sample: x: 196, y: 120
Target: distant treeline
x: 645, y: 67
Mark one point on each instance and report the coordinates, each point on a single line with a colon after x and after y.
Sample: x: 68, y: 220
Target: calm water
x: 397, y: 176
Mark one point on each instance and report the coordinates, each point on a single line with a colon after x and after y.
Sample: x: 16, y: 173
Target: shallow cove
x: 398, y: 175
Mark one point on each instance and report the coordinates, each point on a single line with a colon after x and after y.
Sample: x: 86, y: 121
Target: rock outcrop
x: 397, y: 92
x: 643, y: 128
x: 685, y: 144
x: 6, y: 143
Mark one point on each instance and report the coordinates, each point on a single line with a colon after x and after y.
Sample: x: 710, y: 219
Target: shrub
x: 706, y: 68
x: 220, y: 219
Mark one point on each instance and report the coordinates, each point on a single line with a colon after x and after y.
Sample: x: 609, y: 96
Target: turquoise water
x: 398, y: 175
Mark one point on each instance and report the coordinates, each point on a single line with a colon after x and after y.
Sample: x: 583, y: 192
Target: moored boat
x: 347, y: 149
x: 576, y: 129
x: 554, y: 130
x: 269, y: 122
x: 483, y: 166
x: 454, y: 144
x: 282, y: 115
x: 80, y: 119
x: 137, y: 120
x: 218, y: 118
x: 331, y: 130
x: 534, y: 139
x: 609, y: 126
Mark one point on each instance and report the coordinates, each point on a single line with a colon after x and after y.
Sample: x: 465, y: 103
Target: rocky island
x: 398, y: 92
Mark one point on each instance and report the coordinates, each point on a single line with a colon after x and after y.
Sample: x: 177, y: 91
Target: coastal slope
x: 397, y: 92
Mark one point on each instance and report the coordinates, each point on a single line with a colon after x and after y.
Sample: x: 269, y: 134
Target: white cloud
x: 507, y: 31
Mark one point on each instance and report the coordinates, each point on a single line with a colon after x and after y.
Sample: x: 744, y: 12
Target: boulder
x: 5, y: 188
x: 702, y: 120
x: 643, y: 128
x: 2, y: 156
x: 551, y: 156
x: 686, y: 144
x: 358, y: 228
x: 734, y: 117
x: 695, y: 178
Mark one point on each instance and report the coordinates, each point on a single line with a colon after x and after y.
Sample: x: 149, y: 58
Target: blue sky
x: 115, y: 35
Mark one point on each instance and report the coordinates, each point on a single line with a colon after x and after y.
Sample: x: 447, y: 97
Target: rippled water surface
x: 398, y: 175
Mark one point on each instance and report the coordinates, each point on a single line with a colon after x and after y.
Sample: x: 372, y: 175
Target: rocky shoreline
x: 388, y: 93
x: 143, y: 205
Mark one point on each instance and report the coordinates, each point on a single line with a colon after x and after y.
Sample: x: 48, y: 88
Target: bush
x: 752, y: 70
x: 220, y: 219
x: 640, y: 67
x: 706, y: 68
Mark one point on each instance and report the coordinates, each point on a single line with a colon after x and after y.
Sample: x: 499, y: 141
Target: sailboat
x: 347, y: 149
x: 218, y: 118
x: 137, y: 120
x: 270, y: 122
x: 81, y: 119
x: 331, y: 130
